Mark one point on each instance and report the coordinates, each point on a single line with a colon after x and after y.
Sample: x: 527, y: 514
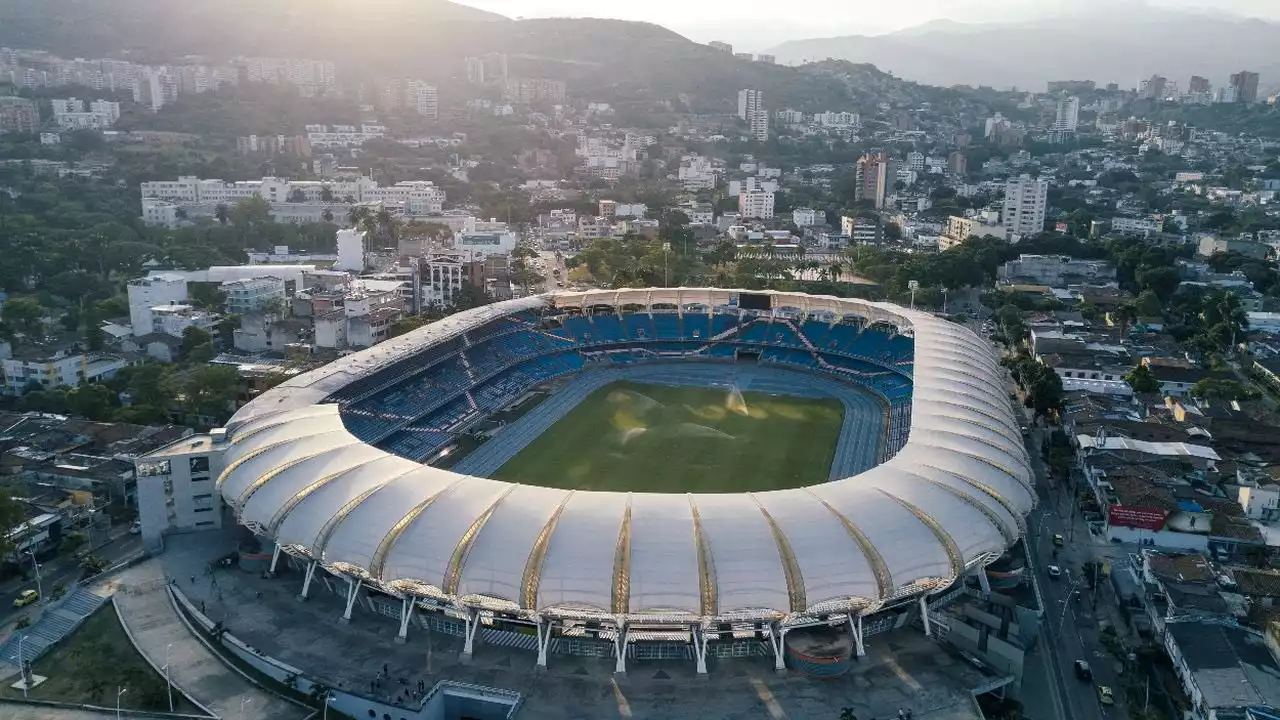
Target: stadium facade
x: 326, y: 469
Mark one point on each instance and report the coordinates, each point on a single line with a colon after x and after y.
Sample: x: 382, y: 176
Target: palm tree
x: 356, y: 215
x: 326, y: 194
x: 327, y: 216
x: 222, y: 213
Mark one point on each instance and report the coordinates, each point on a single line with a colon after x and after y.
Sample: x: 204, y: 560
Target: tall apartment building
x: 755, y: 204
x: 176, y: 487
x: 1245, y: 84
x: 1198, y: 85
x: 958, y: 163
x: 875, y: 177
x: 759, y: 121
x: 1153, y: 87
x: 410, y: 94
x: 915, y: 161
x: 18, y: 115
x: 1025, y: 200
x: 146, y: 294
x: 1068, y: 115
x: 72, y: 114
x: 749, y: 101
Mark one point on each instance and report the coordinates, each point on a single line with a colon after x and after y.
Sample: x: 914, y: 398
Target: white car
x: 1054, y: 571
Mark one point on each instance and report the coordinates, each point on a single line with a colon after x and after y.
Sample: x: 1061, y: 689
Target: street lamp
x: 168, y: 683
x: 913, y: 285
x: 119, y: 691
x: 243, y: 702
x: 22, y: 665
x: 328, y: 700
x: 36, y: 565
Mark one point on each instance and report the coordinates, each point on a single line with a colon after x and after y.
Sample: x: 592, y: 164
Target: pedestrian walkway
x: 155, y: 626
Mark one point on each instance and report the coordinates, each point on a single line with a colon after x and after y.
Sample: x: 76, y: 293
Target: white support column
x: 544, y: 641
x: 620, y: 649
x: 983, y: 581
x: 700, y: 640
x: 924, y: 616
x: 469, y: 644
x: 778, y: 636
x: 406, y: 613
x: 855, y: 626
x: 306, y: 583
x: 353, y: 589
x: 275, y: 558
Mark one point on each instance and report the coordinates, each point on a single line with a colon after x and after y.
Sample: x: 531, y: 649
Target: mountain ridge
x: 1121, y: 47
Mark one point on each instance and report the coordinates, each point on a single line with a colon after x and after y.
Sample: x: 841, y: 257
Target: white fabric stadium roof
x: 953, y: 498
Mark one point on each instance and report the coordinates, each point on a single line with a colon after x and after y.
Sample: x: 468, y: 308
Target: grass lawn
x: 657, y: 438
x: 92, y: 662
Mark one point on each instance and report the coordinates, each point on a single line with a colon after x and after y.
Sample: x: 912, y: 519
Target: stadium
x: 698, y: 469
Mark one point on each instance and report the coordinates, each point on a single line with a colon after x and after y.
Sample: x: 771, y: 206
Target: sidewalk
x: 154, y: 624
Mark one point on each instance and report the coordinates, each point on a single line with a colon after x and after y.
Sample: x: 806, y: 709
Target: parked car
x: 1083, y: 671
x: 1054, y: 571
x: 1059, y: 541
x: 1104, y: 695
x: 25, y: 598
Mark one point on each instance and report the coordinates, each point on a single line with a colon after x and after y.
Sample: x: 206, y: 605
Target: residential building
x: 759, y: 122
x: 1055, y: 271
x: 253, y: 295
x: 1153, y: 88
x: 151, y: 292
x: 1245, y: 86
x: 958, y: 229
x: 50, y: 367
x: 1025, y: 201
x: 528, y: 91
x: 305, y: 200
x: 161, y: 213
x: 915, y: 161
x: 1135, y: 226
x: 861, y: 230
x: 443, y: 278
x: 755, y: 204
x: 697, y: 173
x: 1068, y: 115
x: 807, y: 217
x: 749, y: 101
x: 72, y: 114
x: 837, y: 119
x: 958, y: 163
x: 1209, y: 245
x: 766, y: 59
x: 874, y: 179
x: 1198, y: 86
x: 18, y: 115
x: 409, y: 94
x: 1226, y: 670
x: 176, y: 490
x: 701, y: 213
x: 721, y: 46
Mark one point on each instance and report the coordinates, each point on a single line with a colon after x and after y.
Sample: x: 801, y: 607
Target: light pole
x: 22, y: 665
x: 328, y: 700
x: 243, y: 702
x: 119, y: 691
x: 36, y: 565
x: 168, y: 683
x: 913, y: 285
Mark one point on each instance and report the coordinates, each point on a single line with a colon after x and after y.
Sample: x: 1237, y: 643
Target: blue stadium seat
x: 666, y: 326
x: 639, y: 326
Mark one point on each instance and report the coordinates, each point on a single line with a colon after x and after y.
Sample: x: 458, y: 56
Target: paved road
x: 61, y: 571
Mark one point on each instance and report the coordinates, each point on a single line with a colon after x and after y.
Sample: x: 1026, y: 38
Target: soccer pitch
x: 658, y: 438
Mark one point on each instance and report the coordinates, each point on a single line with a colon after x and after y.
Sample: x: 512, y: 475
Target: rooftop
x: 1230, y: 665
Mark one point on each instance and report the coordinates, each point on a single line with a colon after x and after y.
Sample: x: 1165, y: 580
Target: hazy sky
x: 755, y: 26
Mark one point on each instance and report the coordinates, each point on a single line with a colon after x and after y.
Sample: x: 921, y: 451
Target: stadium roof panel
x: 954, y: 495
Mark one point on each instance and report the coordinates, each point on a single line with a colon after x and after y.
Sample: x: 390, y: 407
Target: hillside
x: 1116, y: 47
x: 157, y: 30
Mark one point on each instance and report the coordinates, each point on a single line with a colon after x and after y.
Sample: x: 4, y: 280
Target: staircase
x: 803, y: 338
x: 731, y: 331
x: 471, y: 400
x: 54, y: 624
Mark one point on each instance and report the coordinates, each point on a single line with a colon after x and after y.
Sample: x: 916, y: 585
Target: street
x: 62, y: 570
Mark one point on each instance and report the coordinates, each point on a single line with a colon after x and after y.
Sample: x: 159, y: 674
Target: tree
x: 1142, y: 380
x: 221, y: 213
x: 12, y: 514
x: 1222, y: 389
x: 192, y: 338
x: 24, y: 315
x: 326, y: 194
x: 1163, y: 281
x: 209, y: 391
x: 296, y: 195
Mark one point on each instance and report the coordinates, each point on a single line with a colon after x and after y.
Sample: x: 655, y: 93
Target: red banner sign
x: 1137, y: 517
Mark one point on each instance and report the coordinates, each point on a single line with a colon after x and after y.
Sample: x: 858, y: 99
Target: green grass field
x: 658, y: 438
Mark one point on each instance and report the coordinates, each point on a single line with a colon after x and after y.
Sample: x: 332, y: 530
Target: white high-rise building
x: 1068, y: 117
x: 760, y: 125
x: 350, y: 250
x: 755, y: 204
x: 915, y: 161
x: 1025, y: 199
x: 749, y: 101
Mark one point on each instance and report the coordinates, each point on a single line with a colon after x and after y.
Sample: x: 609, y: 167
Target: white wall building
x: 415, y: 197
x: 749, y: 101
x: 1067, y: 118
x: 60, y: 368
x: 72, y: 114
x: 806, y: 217
x: 176, y: 487
x: 1025, y: 200
x: 350, y: 250
x: 915, y: 161
x: 150, y: 292
x: 173, y: 320
x: 756, y: 204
